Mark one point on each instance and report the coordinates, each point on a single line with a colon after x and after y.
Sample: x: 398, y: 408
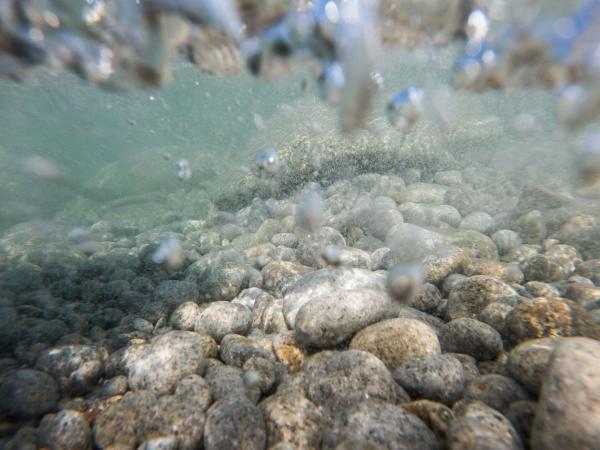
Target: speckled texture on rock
x: 436, y: 416
x: 527, y: 362
x: 337, y: 380
x: 27, y: 393
x: 382, y: 424
x: 469, y: 296
x: 293, y: 421
x: 66, y: 430
x: 568, y: 411
x: 472, y: 337
x: 330, y: 319
x: 434, y: 377
x: 117, y: 425
x: 160, y: 365
x: 477, y: 426
x: 496, y: 391
x: 547, y: 318
x: 221, y: 318
x: 234, y: 423
x: 325, y: 282
x: 395, y: 341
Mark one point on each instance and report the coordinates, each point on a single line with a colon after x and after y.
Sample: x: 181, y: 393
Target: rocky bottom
x: 257, y: 341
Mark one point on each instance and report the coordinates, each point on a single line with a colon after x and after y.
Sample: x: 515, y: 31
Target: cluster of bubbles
x: 184, y: 172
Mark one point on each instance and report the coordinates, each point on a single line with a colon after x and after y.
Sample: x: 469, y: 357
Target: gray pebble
x: 292, y: 421
x: 496, y: 391
x: 477, y: 426
x: 478, y: 221
x: 227, y: 381
x: 337, y: 380
x: 114, y: 386
x: 328, y: 320
x: 472, y: 337
x: 527, y: 362
x: 221, y: 318
x: 185, y: 315
x: 395, y: 341
x: 159, y: 366
x: 27, y: 394
x: 382, y: 424
x: 469, y: 296
x: 234, y: 423
x: 235, y: 350
x: 326, y: 282
x: 174, y: 292
x: 507, y: 241
x: 568, y: 411
x: 435, y: 377
x: 65, y: 430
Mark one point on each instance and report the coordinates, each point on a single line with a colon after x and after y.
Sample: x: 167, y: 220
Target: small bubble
x: 184, y: 172
x: 403, y: 282
x: 405, y: 108
x: 332, y: 254
x: 267, y: 161
x: 259, y: 122
x: 169, y: 253
x: 309, y: 212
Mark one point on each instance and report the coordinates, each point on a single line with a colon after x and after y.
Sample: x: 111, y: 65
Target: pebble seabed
x: 257, y: 343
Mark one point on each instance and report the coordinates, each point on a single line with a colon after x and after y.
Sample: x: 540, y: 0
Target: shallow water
x: 247, y: 307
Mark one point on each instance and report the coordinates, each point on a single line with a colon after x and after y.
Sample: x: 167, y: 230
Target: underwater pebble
x: 27, y: 394
x: 76, y: 368
x: 185, y: 315
x: 548, y: 317
x: 472, y: 337
x: 338, y: 380
x: 395, y: 341
x: 117, y: 425
x: 225, y: 381
x: 568, y: 411
x: 326, y: 282
x: 234, y: 423
x: 469, y: 296
x: 496, y: 391
x: 327, y: 320
x: 292, y: 420
x: 435, y: 377
x: 235, y: 350
x: 507, y: 241
x: 476, y: 425
x: 382, y: 424
x: 221, y: 318
x: 159, y: 366
x: 65, y: 430
x: 478, y: 221
x: 528, y: 362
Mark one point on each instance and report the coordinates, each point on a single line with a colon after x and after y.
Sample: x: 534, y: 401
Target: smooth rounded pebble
x: 395, y: 341
x: 221, y: 318
x: 235, y: 350
x: 507, y: 241
x: 382, y: 424
x: 27, y: 394
x: 159, y: 366
x: 436, y: 416
x: 568, y: 411
x: 477, y: 221
x: 469, y: 296
x: 185, y: 315
x: 76, y: 368
x: 66, y: 430
x: 328, y: 320
x: 472, y: 337
x: 435, y: 377
x: 118, y: 424
x: 527, y: 362
x: 234, y: 423
x: 495, y: 315
x: 477, y: 426
x: 546, y: 318
x: 175, y: 292
x: 337, y: 380
x: 326, y: 282
x: 496, y: 391
x: 292, y: 420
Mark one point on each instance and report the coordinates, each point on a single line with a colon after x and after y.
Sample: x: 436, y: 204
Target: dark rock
x: 472, y: 337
